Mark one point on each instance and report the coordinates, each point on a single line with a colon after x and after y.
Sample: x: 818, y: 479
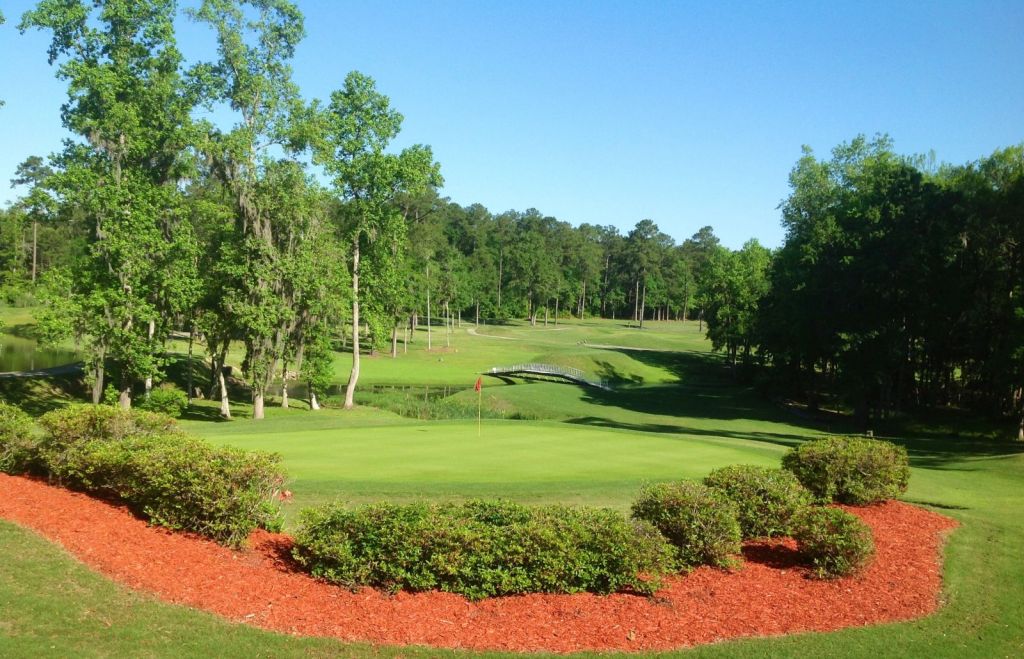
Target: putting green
x: 529, y: 462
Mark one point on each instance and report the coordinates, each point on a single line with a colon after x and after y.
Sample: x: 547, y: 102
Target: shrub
x: 77, y: 423
x: 699, y: 522
x: 765, y: 498
x: 481, y: 549
x: 834, y: 542
x: 166, y: 399
x: 17, y: 441
x: 170, y: 478
x: 850, y: 470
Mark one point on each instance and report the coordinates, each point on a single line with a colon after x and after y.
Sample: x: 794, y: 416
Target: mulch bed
x: 770, y: 595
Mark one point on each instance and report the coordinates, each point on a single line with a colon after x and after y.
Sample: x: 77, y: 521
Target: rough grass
x: 683, y: 419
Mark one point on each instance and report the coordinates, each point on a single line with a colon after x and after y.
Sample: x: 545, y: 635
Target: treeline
x: 899, y: 285
x: 295, y: 231
x: 155, y: 221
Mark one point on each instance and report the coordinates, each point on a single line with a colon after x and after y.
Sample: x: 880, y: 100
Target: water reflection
x: 17, y: 354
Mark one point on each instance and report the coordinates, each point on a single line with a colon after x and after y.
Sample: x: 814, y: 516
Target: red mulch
x: 770, y: 595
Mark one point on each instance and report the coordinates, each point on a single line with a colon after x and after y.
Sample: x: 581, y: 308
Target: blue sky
x: 684, y: 113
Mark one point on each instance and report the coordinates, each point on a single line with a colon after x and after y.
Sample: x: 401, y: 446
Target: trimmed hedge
x: 699, y: 522
x: 835, y: 543
x: 765, y: 498
x: 481, y: 549
x: 16, y: 439
x: 850, y: 470
x: 172, y: 479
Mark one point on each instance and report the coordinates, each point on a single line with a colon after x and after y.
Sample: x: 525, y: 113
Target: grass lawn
x: 675, y: 414
x: 528, y: 462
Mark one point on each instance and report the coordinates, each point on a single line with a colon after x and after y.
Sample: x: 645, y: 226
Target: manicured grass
x: 676, y: 414
x: 528, y: 462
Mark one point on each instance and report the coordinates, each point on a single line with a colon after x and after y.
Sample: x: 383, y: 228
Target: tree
x: 357, y: 128
x: 39, y: 204
x: 646, y: 246
x: 254, y: 78
x: 735, y: 283
x: 128, y: 103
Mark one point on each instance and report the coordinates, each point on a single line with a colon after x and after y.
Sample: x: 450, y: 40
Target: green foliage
x: 170, y: 478
x: 17, y: 439
x: 889, y: 270
x: 79, y: 423
x: 166, y: 399
x: 421, y: 405
x: 129, y: 108
x: 850, y: 469
x: 481, y: 548
x: 765, y: 499
x: 699, y: 522
x: 834, y: 542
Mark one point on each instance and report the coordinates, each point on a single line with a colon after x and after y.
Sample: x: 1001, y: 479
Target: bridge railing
x: 568, y: 372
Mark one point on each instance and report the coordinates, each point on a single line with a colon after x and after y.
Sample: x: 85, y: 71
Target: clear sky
x: 610, y: 112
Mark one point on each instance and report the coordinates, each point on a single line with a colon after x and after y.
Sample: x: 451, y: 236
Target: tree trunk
x: 284, y: 384
x: 643, y: 304
x: 191, y: 340
x: 500, y: 263
x: 447, y: 326
x: 225, y: 403
x: 149, y: 334
x: 125, y: 398
x: 428, y: 306
x: 97, y: 383
x: 476, y: 323
x: 545, y: 314
x: 353, y: 377
x: 257, y: 405
x: 394, y: 341
x: 604, y: 287
x: 636, y: 300
x: 35, y: 229
x: 583, y: 299
x: 556, y: 312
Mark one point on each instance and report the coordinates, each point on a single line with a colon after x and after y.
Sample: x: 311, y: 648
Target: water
x: 17, y: 354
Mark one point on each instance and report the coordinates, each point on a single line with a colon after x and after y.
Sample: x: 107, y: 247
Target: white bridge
x: 564, y: 372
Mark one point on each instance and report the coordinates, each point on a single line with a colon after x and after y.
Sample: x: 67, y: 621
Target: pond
x: 18, y: 354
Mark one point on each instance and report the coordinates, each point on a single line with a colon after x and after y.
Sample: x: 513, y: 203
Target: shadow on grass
x: 706, y: 390
x: 40, y: 395
x: 786, y: 440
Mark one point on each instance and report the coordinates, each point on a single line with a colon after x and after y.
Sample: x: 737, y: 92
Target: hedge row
x: 482, y: 549
x: 478, y: 549
x: 141, y: 458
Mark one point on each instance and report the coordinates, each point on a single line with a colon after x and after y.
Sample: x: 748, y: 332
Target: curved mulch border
x: 771, y: 595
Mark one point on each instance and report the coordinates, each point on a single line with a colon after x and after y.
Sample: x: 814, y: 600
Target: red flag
x: 479, y: 384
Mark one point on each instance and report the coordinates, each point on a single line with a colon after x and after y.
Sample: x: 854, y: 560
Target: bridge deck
x: 564, y: 372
